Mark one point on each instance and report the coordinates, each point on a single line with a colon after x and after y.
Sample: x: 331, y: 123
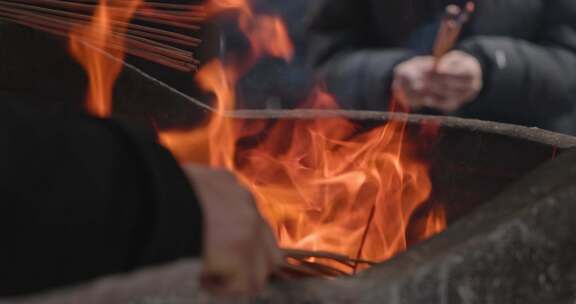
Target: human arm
x: 529, y: 80
x: 86, y: 197
x: 341, y: 46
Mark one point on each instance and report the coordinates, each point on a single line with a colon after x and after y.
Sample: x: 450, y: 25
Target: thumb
x: 219, y: 273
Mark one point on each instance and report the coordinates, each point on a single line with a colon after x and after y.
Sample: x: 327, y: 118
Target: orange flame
x: 88, y: 44
x: 324, y: 187
x: 322, y: 184
x: 267, y: 34
x: 435, y: 222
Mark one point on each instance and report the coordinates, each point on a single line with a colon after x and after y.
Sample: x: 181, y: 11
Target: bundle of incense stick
x: 450, y: 28
x: 149, y: 39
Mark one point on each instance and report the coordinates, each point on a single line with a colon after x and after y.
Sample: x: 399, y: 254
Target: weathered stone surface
x: 516, y: 248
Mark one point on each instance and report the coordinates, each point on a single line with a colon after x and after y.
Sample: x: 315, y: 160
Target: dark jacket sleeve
x: 529, y: 80
x: 358, y: 72
x: 83, y: 197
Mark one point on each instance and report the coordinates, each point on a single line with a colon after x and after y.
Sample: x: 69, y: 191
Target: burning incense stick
x: 450, y: 29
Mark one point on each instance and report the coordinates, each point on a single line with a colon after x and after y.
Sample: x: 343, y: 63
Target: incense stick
x: 138, y: 40
x: 139, y: 14
x: 450, y: 29
x: 131, y: 46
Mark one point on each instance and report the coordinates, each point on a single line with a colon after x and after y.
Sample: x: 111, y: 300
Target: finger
x: 457, y: 77
x: 414, y: 69
x: 259, y: 263
x: 451, y: 81
x: 455, y: 90
x: 224, y: 270
x: 216, y: 279
x: 411, y: 82
x: 446, y: 104
x: 449, y: 90
x: 256, y: 263
x: 274, y: 255
x: 431, y: 100
x: 404, y: 95
x: 242, y: 281
x: 456, y: 66
x: 260, y: 271
x: 417, y: 102
x: 416, y: 90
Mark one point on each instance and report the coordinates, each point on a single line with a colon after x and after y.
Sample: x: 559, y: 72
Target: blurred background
x: 35, y: 65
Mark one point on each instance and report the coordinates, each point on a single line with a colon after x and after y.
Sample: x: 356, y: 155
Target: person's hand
x: 453, y: 82
x: 412, y: 81
x: 456, y: 81
x: 240, y: 251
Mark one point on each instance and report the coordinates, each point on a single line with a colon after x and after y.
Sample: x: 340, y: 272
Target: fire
x: 87, y: 43
x: 435, y: 222
x: 323, y: 184
x: 267, y: 34
x: 324, y: 187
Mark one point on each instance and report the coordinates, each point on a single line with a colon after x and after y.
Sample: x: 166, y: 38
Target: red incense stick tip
x: 470, y: 7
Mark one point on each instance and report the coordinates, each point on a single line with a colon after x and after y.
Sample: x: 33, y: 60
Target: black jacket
x: 527, y: 49
x: 82, y: 197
